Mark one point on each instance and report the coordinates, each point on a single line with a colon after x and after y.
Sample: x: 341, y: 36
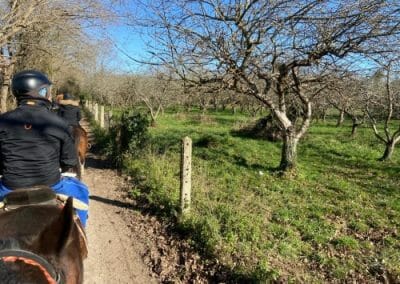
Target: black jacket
x: 34, y: 144
x: 71, y: 113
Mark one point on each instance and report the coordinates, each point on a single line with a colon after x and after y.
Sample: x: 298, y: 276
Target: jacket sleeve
x: 68, y: 157
x: 1, y: 163
x: 78, y: 115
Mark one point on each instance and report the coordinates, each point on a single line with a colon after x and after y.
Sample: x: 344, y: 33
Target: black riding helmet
x: 31, y: 84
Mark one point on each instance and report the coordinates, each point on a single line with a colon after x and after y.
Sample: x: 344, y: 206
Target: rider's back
x: 33, y: 143
x: 69, y: 110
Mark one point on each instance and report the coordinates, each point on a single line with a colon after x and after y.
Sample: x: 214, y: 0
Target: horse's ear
x: 57, y: 233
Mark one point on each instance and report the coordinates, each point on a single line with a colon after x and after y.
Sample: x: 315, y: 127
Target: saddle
x: 43, y: 195
x: 37, y: 195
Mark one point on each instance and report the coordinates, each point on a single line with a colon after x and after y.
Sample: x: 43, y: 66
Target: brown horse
x: 81, y: 146
x: 41, y: 244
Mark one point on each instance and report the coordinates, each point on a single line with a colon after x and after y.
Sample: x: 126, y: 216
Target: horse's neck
x: 49, y: 232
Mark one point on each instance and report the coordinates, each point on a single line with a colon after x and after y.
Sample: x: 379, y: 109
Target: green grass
x: 337, y: 219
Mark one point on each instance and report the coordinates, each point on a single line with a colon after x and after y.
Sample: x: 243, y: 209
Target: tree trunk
x: 203, y: 106
x: 4, y: 94
x: 187, y: 107
x: 215, y: 104
x: 5, y: 87
x: 289, y: 151
x: 387, y: 155
x: 153, y: 118
x: 354, y: 127
x: 341, y: 118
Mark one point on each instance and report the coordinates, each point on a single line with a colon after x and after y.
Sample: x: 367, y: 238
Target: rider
x: 69, y: 110
x: 35, y: 143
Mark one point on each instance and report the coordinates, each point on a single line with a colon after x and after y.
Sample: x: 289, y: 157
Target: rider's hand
x: 66, y: 169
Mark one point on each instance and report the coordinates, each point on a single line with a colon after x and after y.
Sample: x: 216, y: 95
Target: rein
x: 13, y: 255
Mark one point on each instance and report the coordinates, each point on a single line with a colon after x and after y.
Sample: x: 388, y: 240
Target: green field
x: 336, y: 219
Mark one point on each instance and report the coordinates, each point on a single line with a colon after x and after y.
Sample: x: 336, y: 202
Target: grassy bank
x: 337, y: 219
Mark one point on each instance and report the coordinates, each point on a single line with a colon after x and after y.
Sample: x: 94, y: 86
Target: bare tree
x: 346, y: 94
x: 381, y: 104
x: 320, y: 108
x: 156, y: 91
x: 46, y: 20
x: 270, y: 50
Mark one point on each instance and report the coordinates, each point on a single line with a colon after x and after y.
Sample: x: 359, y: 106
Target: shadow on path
x: 112, y: 202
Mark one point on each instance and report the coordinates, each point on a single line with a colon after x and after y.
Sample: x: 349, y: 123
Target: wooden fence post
x: 96, y: 112
x: 102, y: 116
x: 186, y: 175
x: 110, y: 114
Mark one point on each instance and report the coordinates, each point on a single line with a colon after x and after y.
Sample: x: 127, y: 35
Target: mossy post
x: 186, y: 175
x: 102, y: 116
x: 96, y: 112
x: 110, y: 114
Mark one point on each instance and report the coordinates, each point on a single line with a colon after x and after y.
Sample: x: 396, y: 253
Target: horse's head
x: 41, y: 244
x: 81, y: 146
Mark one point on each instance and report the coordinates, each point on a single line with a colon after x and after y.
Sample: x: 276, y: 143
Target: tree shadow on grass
x: 242, y: 162
x: 361, y: 171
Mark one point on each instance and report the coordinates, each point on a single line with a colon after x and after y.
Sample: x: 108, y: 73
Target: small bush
x: 134, y: 134
x: 128, y: 137
x: 264, y: 128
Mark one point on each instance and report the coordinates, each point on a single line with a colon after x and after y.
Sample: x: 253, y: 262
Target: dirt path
x: 114, y: 255
x: 128, y: 244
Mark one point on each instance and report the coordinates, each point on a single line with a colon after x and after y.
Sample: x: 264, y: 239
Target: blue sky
x: 126, y: 41
x: 126, y: 44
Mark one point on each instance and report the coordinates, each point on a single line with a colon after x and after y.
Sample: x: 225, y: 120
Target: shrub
x: 129, y: 136
x: 264, y: 128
